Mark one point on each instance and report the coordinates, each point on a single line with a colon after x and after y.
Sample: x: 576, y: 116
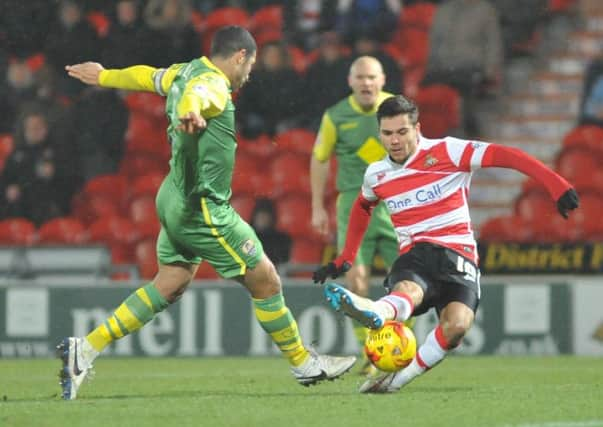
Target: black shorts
x: 443, y: 274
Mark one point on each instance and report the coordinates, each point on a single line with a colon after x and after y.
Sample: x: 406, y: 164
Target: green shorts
x: 379, y: 237
x: 198, y: 229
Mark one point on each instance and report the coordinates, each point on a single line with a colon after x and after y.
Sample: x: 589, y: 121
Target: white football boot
x: 76, y: 368
x: 321, y: 367
x: 366, y: 311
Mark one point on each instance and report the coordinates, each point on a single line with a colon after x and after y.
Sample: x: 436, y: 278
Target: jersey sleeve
x: 140, y: 77
x: 370, y: 179
x: 207, y: 94
x: 466, y: 155
x: 327, y: 137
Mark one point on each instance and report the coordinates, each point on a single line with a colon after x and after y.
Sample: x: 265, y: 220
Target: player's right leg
x: 78, y: 353
x: 307, y: 366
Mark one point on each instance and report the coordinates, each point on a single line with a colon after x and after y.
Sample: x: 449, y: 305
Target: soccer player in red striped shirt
x: 425, y: 185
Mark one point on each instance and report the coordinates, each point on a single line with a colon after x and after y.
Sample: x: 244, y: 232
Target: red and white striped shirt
x: 427, y: 196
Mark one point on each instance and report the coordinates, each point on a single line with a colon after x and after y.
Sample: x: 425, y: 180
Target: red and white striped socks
x: 397, y: 305
x: 430, y: 353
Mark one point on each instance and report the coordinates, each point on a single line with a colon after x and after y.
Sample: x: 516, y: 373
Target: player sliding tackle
x: 425, y: 185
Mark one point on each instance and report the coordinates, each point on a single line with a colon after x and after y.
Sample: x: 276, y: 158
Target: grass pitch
x: 462, y: 391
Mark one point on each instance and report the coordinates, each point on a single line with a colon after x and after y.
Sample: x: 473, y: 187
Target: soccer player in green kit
x: 197, y: 220
x: 350, y: 130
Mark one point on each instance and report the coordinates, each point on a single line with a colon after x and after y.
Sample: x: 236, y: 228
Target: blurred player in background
x: 350, y: 130
x: 197, y: 220
x: 425, y: 185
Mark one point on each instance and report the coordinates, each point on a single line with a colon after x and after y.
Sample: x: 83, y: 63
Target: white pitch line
x: 590, y: 423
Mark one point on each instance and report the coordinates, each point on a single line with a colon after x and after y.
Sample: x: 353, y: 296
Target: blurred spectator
x: 99, y: 144
x: 71, y: 39
x: 16, y: 86
x: 591, y: 104
x: 127, y: 38
x: 270, y: 102
x: 325, y: 82
x: 24, y: 25
x: 378, y: 18
x: 466, y: 53
x: 305, y: 20
x: 276, y: 243
x: 365, y: 45
x: 173, y: 37
x: 518, y: 20
x: 32, y: 182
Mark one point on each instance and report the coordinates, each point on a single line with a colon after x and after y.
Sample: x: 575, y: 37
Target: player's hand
x: 192, y: 123
x: 320, y: 220
x: 332, y: 270
x: 88, y: 72
x: 567, y: 202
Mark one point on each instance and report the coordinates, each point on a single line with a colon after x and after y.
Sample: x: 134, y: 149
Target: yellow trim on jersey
x: 206, y: 93
x: 327, y: 137
x: 356, y: 107
x: 168, y: 76
x: 211, y: 65
x: 138, y: 77
x: 221, y: 239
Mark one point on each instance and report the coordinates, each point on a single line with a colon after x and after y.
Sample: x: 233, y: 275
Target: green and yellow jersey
x: 353, y: 134
x: 201, y: 164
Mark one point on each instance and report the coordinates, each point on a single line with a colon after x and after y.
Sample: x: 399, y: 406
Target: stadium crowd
x: 67, y: 179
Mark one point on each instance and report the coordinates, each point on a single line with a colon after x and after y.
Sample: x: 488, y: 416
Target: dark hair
x: 396, y: 105
x: 229, y: 40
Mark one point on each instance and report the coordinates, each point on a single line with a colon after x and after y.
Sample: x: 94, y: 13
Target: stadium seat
x: 145, y: 136
x: 146, y: 185
x: 263, y: 147
x: 299, y: 59
x: 290, y: 174
x: 6, y: 147
x: 114, y: 187
x: 142, y: 210
x: 206, y: 271
x: 572, y: 161
x: 306, y: 255
x: 244, y: 205
x: 440, y: 107
x: 506, y: 229
x: 588, y: 136
x: 246, y: 170
x: 88, y: 208
x: 146, y: 258
x: 535, y: 207
x: 219, y: 18
x: 270, y: 16
x: 146, y: 104
x: 415, y: 43
x: 17, y: 231
x: 64, y: 230
x: 99, y: 22
x: 137, y: 164
x: 296, y: 141
x: 112, y: 230
x: 418, y: 15
x: 294, y: 215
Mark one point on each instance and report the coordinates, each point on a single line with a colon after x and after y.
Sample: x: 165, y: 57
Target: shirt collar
x: 211, y: 65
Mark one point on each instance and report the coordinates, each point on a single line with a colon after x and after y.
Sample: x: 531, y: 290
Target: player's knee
x: 454, y: 332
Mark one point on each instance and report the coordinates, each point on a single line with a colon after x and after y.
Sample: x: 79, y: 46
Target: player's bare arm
x: 87, y: 72
x: 319, y: 171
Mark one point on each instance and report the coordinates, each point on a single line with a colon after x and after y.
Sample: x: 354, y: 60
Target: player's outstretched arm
x: 87, y: 72
x: 360, y: 217
x: 512, y: 158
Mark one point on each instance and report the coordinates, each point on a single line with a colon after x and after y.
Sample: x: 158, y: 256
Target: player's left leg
x: 455, y: 320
